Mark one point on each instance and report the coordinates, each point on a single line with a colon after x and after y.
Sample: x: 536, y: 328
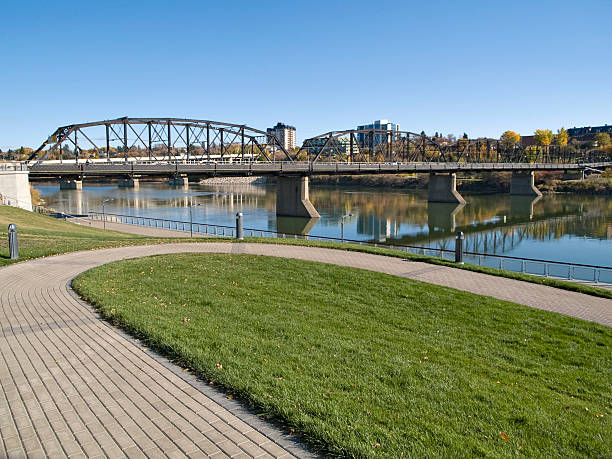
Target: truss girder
x: 171, y: 134
x: 404, y: 146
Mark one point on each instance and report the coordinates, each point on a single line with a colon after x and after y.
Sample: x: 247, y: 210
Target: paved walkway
x: 74, y: 386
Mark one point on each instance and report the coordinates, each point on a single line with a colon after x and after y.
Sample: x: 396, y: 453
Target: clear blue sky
x: 475, y: 67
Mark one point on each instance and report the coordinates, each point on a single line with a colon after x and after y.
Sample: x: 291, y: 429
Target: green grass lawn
x: 367, y: 364
x: 40, y: 236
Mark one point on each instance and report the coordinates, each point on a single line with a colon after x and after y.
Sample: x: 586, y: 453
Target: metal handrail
x: 354, y: 241
x: 15, y: 166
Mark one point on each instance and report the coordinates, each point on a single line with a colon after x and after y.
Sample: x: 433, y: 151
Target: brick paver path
x: 73, y: 385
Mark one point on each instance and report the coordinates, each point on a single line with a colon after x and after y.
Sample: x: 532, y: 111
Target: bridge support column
x: 71, y: 185
x: 178, y: 180
x: 292, y: 198
x: 129, y: 183
x: 443, y: 188
x: 523, y: 184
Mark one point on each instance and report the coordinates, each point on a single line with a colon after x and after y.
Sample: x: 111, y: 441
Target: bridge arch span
x: 158, y: 139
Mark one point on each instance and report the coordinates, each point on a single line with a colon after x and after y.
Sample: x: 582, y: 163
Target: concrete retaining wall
x: 15, y: 188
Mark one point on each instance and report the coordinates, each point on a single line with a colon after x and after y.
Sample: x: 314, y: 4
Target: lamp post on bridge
x: 342, y: 225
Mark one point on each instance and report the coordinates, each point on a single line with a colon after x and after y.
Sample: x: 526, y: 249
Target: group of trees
x: 19, y: 154
x: 545, y: 137
x: 542, y: 137
x: 603, y: 139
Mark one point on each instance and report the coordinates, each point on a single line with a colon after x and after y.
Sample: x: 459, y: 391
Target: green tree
x: 603, y: 139
x: 510, y: 138
x: 562, y: 137
x: 543, y: 137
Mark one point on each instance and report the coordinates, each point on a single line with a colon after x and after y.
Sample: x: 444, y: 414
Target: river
x: 560, y: 227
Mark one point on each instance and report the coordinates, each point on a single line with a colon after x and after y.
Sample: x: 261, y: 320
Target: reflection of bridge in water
x: 498, y: 234
x: 225, y: 197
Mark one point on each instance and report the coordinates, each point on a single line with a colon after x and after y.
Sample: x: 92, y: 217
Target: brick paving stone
x: 273, y: 449
x: 66, y: 373
x: 36, y: 454
x: 16, y: 454
x: 92, y: 449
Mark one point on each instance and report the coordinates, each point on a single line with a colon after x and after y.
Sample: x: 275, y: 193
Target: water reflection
x: 295, y: 225
x: 523, y: 205
x: 441, y: 217
x: 558, y: 227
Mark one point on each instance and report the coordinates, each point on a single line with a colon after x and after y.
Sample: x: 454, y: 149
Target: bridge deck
x: 286, y: 168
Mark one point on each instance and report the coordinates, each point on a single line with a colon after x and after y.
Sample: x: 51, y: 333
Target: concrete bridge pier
x: 443, y: 188
x: 129, y: 182
x: 179, y: 180
x: 522, y: 184
x: 71, y: 184
x: 292, y: 197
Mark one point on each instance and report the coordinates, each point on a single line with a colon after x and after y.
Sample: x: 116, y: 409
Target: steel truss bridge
x: 159, y: 139
x: 133, y: 147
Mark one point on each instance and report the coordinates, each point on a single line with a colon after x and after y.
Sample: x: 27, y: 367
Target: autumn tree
x: 543, y: 137
x: 603, y: 139
x: 562, y: 137
x: 509, y: 139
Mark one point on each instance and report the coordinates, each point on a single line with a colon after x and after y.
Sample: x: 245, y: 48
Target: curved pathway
x: 72, y: 385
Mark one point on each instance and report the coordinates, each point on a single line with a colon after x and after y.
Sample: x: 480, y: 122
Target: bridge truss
x: 379, y: 145
x: 159, y: 139
x: 367, y: 145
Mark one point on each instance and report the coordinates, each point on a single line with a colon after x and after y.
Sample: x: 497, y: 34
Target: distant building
x: 341, y: 145
x: 285, y: 135
x: 588, y: 130
x: 366, y: 139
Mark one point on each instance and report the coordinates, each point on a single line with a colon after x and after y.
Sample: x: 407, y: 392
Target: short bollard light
x: 239, y: 227
x: 13, y: 246
x: 459, y: 247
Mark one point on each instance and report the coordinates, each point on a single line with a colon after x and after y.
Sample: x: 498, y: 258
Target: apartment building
x: 284, y: 133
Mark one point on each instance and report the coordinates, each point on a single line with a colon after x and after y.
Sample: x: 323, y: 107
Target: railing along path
x: 600, y: 275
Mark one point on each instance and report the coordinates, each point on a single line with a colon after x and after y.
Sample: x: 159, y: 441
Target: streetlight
x: 103, y: 214
x: 189, y: 206
x: 342, y: 225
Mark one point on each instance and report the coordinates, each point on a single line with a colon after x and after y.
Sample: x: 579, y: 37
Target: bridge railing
x: 583, y: 273
x: 19, y: 167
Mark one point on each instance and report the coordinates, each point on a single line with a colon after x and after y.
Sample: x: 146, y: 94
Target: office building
x: 366, y: 139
